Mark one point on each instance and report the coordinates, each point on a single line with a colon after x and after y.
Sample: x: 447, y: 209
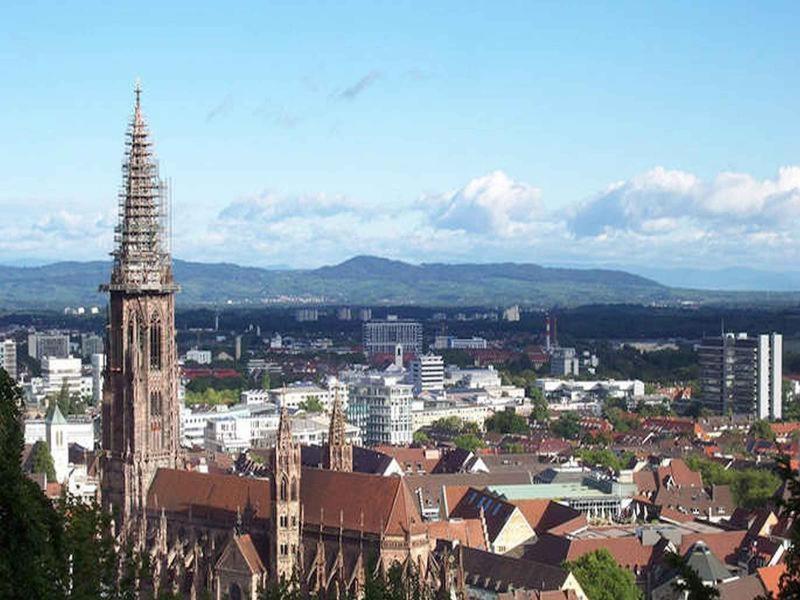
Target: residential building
x: 48, y: 344
x: 426, y: 412
x: 742, y: 375
x: 8, y: 357
x: 296, y: 394
x: 380, y: 406
x: 365, y: 314
x: 511, y: 314
x: 382, y: 337
x: 427, y: 372
x: 344, y: 313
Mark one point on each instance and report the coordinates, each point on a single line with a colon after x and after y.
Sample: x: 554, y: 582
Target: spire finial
x: 137, y: 91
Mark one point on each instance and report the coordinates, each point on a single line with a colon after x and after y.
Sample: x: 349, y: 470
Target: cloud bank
x: 658, y: 218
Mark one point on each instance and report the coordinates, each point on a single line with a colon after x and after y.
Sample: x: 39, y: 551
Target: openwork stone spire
x: 340, y: 453
x: 142, y: 254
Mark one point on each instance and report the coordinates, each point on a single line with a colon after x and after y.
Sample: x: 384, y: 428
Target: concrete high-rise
x: 427, y: 372
x: 742, y: 375
x: 8, y: 357
x: 382, y: 337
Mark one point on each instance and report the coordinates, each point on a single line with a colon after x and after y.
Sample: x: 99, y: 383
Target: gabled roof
x: 206, y: 494
x: 496, y: 511
x: 723, y: 544
x: 544, y: 515
x: 771, y: 577
x: 499, y: 573
x: 627, y: 551
x: 250, y: 552
x: 385, y: 502
x: 468, y: 532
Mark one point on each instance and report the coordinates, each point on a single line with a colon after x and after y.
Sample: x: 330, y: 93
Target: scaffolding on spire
x: 142, y: 259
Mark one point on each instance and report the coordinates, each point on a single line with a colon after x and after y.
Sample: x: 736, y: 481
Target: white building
x: 98, y: 368
x: 511, y: 314
x: 473, y: 378
x: 425, y: 412
x: 447, y: 342
x: 60, y: 372
x: 427, y: 372
x: 8, y: 357
x: 380, y: 406
x: 568, y: 394
x: 91, y: 344
x: 293, y: 395
x: 201, y: 357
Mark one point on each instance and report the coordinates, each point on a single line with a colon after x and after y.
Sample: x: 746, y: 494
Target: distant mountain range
x: 362, y: 280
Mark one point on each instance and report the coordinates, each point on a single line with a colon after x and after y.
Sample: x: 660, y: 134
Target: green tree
x: 312, y: 405
x: 602, y: 578
x: 42, y: 460
x: 31, y: 535
x: 540, y: 412
x: 468, y: 441
x: 567, y: 426
x: 761, y: 430
x: 507, y: 421
x: 265, y: 381
x: 421, y: 438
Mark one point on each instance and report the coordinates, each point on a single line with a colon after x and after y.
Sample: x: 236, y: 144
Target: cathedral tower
x: 140, y: 396
x: 340, y: 453
x: 286, y: 525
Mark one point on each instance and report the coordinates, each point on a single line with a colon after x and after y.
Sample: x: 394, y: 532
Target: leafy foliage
x: 750, y: 487
x: 42, y: 460
x: 602, y: 578
x: 312, y: 405
x: 567, y: 426
x: 468, y: 441
x: 603, y: 457
x: 762, y: 431
x: 507, y: 422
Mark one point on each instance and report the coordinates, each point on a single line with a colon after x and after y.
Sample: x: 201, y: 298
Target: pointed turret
x: 340, y: 453
x: 286, y: 518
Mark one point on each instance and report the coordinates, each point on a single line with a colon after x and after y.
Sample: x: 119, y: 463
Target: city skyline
x: 543, y: 135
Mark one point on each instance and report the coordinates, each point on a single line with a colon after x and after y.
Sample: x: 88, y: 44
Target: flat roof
x: 551, y: 491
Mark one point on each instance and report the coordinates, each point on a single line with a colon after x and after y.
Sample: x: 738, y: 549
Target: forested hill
x: 360, y: 280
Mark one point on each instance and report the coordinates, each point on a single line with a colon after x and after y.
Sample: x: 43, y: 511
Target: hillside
x: 360, y: 280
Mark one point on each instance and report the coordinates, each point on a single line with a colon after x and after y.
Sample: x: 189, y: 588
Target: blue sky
x: 304, y: 133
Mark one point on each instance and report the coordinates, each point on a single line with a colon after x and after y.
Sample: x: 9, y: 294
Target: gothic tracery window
x: 284, y: 492
x: 155, y: 342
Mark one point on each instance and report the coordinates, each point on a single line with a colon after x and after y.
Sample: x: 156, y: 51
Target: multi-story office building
x: 365, y: 314
x: 383, y: 337
x: 344, y: 313
x: 91, y: 344
x: 62, y: 373
x: 446, y: 342
x: 306, y: 314
x: 8, y: 357
x: 48, y: 344
x: 742, y: 375
x: 564, y: 362
x: 427, y: 372
x: 380, y: 406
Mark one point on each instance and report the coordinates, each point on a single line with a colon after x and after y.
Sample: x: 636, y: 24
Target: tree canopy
x: 42, y: 460
x: 602, y: 578
x: 507, y: 422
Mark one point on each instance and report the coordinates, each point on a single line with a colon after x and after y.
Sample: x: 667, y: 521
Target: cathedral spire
x: 286, y: 510
x: 340, y: 453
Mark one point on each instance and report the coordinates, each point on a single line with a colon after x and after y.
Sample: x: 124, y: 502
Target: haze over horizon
x: 631, y: 136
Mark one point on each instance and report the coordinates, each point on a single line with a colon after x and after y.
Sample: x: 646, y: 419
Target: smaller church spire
x: 340, y: 453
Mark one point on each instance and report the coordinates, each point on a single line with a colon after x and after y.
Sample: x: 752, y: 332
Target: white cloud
x: 492, y: 204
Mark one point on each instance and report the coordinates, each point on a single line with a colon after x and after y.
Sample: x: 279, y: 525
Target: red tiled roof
x: 177, y: 491
x: 467, y: 531
x: 771, y: 577
x: 250, y: 553
x: 724, y: 545
x: 544, y: 515
x: 627, y: 551
x: 385, y: 502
